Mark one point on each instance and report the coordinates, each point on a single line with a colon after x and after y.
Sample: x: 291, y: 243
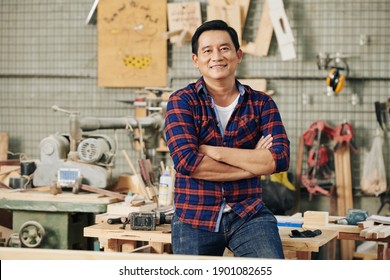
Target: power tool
x: 354, y: 216
x: 146, y: 220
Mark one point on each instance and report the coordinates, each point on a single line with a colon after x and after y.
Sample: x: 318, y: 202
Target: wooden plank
x: 131, y: 47
x: 341, y: 209
x: 372, y: 232
x: 103, y: 192
x: 347, y: 177
x: 365, y: 224
x: 384, y: 232
x: 298, y: 174
x: 7, y: 253
x: 161, y: 234
x: 347, y: 246
x: 31, y: 196
x: 230, y: 12
x: 3, y: 146
x: 315, y: 218
x: 383, y: 251
x: 139, y: 249
x: 282, y: 29
x: 123, y: 209
x: 256, y: 84
x: 264, y: 35
x: 356, y: 237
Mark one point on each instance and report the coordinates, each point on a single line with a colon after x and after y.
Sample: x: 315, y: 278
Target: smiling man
x: 222, y: 136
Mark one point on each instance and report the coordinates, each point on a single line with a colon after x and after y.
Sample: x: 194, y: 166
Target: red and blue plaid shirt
x: 191, y: 120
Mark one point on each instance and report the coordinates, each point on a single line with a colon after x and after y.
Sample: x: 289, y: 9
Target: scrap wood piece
x: 228, y: 11
x: 3, y: 146
x: 264, y: 35
x: 282, y: 29
x: 257, y: 84
x: 8, y: 170
x: 365, y: 224
x: 4, y: 186
x: 371, y: 232
x: 142, y: 248
x: 102, y: 192
x: 315, y: 218
x: 384, y: 232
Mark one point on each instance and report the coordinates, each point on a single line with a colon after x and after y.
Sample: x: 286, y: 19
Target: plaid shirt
x: 191, y: 120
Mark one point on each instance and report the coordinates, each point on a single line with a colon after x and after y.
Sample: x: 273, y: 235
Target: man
x: 219, y: 135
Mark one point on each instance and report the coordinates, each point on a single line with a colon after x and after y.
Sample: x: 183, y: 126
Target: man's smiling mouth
x: 218, y: 66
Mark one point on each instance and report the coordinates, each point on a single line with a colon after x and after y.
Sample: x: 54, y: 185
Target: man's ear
x: 240, y: 54
x: 195, y: 60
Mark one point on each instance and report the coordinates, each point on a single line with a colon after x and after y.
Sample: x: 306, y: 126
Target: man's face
x: 216, y: 58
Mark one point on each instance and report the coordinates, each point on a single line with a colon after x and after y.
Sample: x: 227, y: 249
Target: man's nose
x: 217, y: 55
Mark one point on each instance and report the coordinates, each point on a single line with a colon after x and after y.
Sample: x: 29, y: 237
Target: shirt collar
x: 200, y: 86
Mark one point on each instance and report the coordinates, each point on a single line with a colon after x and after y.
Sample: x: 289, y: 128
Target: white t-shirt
x: 225, y: 112
x: 224, y: 116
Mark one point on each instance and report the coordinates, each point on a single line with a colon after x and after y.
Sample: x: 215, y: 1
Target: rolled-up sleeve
x: 272, y: 123
x: 181, y: 135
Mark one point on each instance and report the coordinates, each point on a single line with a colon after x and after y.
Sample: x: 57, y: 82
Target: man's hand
x: 264, y: 142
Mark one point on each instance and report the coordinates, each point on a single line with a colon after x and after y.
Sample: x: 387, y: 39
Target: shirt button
x: 224, y: 143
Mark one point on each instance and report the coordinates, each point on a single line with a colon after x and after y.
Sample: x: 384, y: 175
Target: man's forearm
x: 212, y: 170
x: 255, y: 161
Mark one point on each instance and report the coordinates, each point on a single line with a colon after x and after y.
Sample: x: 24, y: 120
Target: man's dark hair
x: 214, y: 25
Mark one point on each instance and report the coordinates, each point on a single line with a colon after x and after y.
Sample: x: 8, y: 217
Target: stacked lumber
x: 342, y: 161
x: 374, y: 231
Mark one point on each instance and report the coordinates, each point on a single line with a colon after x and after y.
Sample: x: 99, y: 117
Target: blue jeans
x: 256, y: 238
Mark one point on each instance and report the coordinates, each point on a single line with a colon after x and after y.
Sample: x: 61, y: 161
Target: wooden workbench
x: 115, y: 239
x: 353, y: 233
x: 63, y: 216
x: 305, y: 246
x: 45, y: 201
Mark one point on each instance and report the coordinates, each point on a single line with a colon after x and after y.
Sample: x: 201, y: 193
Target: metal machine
x: 64, y: 157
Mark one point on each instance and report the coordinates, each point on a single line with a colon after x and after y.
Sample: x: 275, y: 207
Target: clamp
x: 317, y: 127
x: 313, y: 186
x: 344, y: 134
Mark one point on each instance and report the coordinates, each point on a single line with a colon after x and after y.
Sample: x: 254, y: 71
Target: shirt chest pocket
x: 248, y: 133
x: 206, y: 131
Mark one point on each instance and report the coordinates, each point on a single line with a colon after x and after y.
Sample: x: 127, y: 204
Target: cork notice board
x: 131, y: 49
